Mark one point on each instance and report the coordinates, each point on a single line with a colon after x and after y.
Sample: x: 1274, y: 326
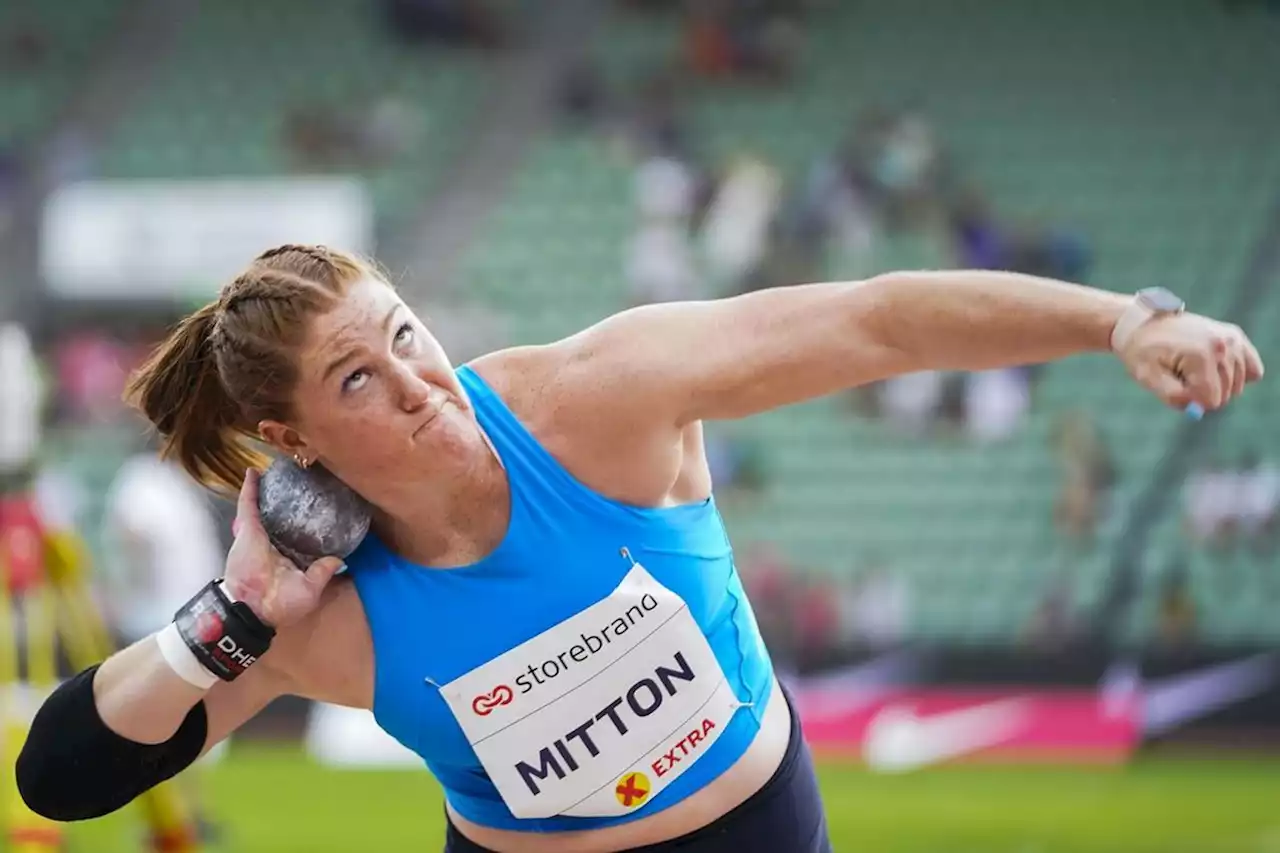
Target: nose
x: 414, y: 391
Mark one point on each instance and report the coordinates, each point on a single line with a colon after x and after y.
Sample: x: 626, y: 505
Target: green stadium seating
x: 68, y: 35
x: 218, y: 105
x: 1141, y: 125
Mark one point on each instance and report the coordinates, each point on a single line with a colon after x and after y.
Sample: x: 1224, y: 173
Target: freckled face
x: 376, y: 395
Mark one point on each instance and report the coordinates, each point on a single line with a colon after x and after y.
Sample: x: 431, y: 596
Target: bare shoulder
x: 328, y: 656
x: 574, y: 404
x: 531, y: 380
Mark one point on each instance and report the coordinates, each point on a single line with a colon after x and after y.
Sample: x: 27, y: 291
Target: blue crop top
x: 601, y: 664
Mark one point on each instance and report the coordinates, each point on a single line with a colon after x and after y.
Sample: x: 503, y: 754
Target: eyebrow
x: 339, y: 362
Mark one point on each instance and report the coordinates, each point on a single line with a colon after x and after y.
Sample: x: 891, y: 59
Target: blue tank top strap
x: 540, y: 473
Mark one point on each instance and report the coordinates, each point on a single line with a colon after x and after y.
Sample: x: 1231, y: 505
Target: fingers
x: 1218, y: 375
x: 1239, y: 369
x: 1226, y: 357
x: 1202, y: 379
x: 1170, y: 388
x: 322, y: 571
x: 1238, y: 362
x: 247, y: 504
x: 1252, y: 361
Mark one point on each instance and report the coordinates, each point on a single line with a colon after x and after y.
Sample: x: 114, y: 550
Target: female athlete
x: 546, y: 608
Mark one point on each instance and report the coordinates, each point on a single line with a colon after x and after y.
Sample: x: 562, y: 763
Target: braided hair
x: 230, y: 365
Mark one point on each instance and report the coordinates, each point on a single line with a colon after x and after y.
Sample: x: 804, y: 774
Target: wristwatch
x: 1147, y: 304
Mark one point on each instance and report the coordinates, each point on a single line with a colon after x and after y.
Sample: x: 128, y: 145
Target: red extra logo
x: 207, y: 627
x: 484, y: 704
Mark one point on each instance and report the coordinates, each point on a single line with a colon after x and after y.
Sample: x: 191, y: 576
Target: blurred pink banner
x: 892, y: 729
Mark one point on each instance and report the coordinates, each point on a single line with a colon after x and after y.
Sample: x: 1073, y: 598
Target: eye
x: 404, y: 334
x: 356, y: 380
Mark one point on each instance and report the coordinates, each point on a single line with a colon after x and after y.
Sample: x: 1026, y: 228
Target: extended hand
x: 1186, y: 358
x: 264, y: 579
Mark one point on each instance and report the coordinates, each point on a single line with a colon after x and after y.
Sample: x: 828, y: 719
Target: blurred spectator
x: 976, y: 237
x: 980, y: 240
x: 1053, y: 624
x: 736, y: 466
x: 20, y: 402
x: 770, y: 582
x: 323, y: 137
x: 1207, y: 498
x: 92, y: 367
x: 1087, y: 473
x: 658, y: 119
x: 996, y: 402
x: 875, y: 608
x: 1176, y: 609
x: 1257, y: 498
x: 161, y: 543
x: 736, y: 230
x: 1221, y: 501
x: 740, y: 38
x: 831, y: 212
x: 12, y: 174
x: 817, y: 620
x: 660, y: 265
x: 466, y: 23
x: 897, y: 158
x: 581, y: 93
x: 314, y: 137
x: 69, y: 156
x: 911, y: 402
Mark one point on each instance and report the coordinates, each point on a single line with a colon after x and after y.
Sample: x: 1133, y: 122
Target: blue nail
x: 1194, y: 411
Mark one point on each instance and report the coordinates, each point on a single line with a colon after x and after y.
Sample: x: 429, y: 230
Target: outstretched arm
x: 735, y: 357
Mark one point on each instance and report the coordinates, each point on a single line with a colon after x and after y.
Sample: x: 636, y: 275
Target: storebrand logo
x: 592, y: 643
x: 486, y: 702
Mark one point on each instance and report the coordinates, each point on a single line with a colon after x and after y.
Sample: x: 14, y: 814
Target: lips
x: 436, y: 401
x: 427, y: 423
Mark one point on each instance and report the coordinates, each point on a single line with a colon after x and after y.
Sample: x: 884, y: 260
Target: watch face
x: 1161, y: 300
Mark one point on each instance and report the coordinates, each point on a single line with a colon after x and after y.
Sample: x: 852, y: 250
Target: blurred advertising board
x: 182, y: 239
x: 910, y: 709
x: 908, y: 729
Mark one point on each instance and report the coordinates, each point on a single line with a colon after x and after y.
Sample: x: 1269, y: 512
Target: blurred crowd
x: 1228, y: 504
x: 706, y: 228
x: 811, y: 619
x: 703, y: 227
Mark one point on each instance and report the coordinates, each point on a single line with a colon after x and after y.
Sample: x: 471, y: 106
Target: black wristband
x: 224, y: 635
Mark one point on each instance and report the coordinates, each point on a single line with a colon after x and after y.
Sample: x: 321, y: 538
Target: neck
x: 458, y: 518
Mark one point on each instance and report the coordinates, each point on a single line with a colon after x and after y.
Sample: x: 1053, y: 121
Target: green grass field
x: 274, y: 801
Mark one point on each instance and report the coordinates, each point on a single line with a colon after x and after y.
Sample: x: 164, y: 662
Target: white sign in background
x: 183, y: 239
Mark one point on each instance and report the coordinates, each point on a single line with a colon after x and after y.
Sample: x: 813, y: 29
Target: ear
x: 284, y: 438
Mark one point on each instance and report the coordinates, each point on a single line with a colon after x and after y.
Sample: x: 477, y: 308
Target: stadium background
x: 1049, y: 543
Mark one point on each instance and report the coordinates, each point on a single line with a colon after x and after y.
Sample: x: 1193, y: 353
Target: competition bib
x: 595, y: 716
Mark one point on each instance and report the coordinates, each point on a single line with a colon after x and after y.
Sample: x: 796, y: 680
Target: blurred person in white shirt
x: 161, y: 541
x: 20, y: 399
x: 1209, y: 501
x: 996, y: 402
x: 660, y: 265
x: 735, y: 234
x: 1257, y: 496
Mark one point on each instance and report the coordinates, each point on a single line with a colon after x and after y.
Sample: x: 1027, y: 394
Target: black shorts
x: 785, y: 816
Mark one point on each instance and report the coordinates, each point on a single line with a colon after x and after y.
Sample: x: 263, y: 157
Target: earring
x: 304, y: 464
